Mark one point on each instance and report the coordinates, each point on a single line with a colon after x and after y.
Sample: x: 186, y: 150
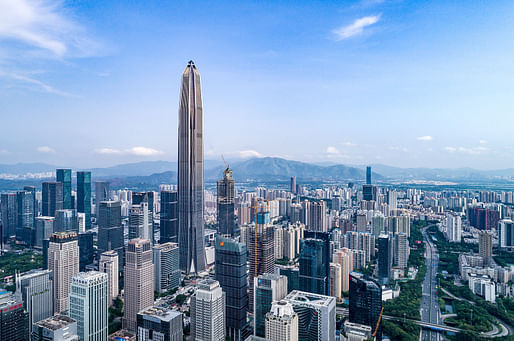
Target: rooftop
x: 56, y: 322
x: 160, y: 313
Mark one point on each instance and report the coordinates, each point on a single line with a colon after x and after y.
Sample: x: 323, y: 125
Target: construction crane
x: 378, y: 322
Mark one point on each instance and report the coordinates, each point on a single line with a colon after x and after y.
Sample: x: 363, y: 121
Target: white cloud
x: 332, y: 150
x: 356, y: 27
x: 245, y: 154
x: 28, y: 80
x: 482, y: 141
x: 450, y: 149
x: 424, y: 138
x: 45, y: 149
x: 143, y: 151
x: 398, y: 148
x: 466, y: 150
x: 349, y: 144
x: 107, y: 151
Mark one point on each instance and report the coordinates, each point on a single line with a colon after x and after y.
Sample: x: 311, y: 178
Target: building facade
x: 208, y: 312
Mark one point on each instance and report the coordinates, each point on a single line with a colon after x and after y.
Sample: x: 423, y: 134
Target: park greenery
x: 115, y: 315
x: 19, y: 261
x: 504, y: 258
x: 403, y: 331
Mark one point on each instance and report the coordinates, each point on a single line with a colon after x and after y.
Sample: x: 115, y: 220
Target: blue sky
x: 403, y: 83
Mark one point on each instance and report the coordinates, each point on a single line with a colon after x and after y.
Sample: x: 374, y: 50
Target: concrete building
x: 344, y: 257
x: 14, y: 320
x: 159, y: 324
x: 55, y: 328
x: 485, y: 245
x: 267, y: 288
x: 282, y: 322
x: 483, y: 286
x: 401, y: 250
x: 139, y: 222
x: 506, y: 234
x: 208, y: 312
x: 109, y: 264
x: 336, y: 275
x: 166, y: 266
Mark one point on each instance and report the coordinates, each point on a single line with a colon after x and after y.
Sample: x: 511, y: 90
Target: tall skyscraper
x: 159, y: 324
x: 485, y: 245
x: 336, y: 285
x: 225, y: 199
x: 365, y: 302
x: 55, y: 328
x: 268, y: 288
x: 190, y: 173
x: 368, y: 175
x: 138, y: 198
x: 169, y: 217
x: 110, y: 230
x: 9, y: 210
x: 344, y: 257
x: 86, y: 250
x: 166, y: 267
x: 208, y: 312
x: 89, y: 305
x: 14, y: 320
x: 109, y: 265
x: 63, y: 260
x: 66, y: 220
x: 401, y: 250
x: 293, y: 185
x: 314, y: 266
x: 64, y: 176
x: 506, y: 234
x: 84, y: 196
x: 44, y: 228
x: 26, y: 229
x: 230, y: 272
x: 52, y: 198
x: 317, y: 219
x: 102, y: 193
x: 282, y: 322
x: 385, y: 258
x: 138, y: 280
x: 139, y: 222
x: 36, y: 290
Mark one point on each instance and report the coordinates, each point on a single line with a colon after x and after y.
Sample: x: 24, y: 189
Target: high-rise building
x: 282, y: 322
x: 506, y: 234
x: 230, y: 272
x: 44, y: 228
x: 52, y: 198
x: 26, y: 229
x: 208, y: 312
x: 453, y: 228
x: 385, y: 258
x: 268, y: 288
x: 401, y: 250
x: 369, y: 192
x: 14, y: 320
x: 293, y: 276
x: 89, y: 305
x: 368, y: 175
x: 159, y: 324
x: 314, y: 266
x: 64, y: 176
x: 344, y: 257
x: 63, y: 261
x: 292, y: 187
x: 316, y: 315
x: 392, y: 199
x: 138, y: 198
x: 336, y: 275
x: 138, y: 280
x: 102, y: 193
x: 317, y: 218
x: 9, y: 210
x: 109, y: 264
x: 166, y: 267
x: 225, y: 200
x: 139, y: 222
x: 84, y: 196
x: 365, y: 304
x: 485, y: 245
x: 55, y: 328
x: 86, y: 251
x: 110, y: 230
x: 169, y: 217
x: 36, y: 290
x: 66, y: 220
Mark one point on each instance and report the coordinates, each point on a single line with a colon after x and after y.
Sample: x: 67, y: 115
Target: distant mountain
x: 143, y: 168
x: 24, y: 168
x: 144, y: 182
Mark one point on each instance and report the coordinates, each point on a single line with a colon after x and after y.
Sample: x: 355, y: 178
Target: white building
x: 453, y: 228
x: 282, y: 322
x: 482, y: 286
x: 208, y: 312
x: 109, y: 265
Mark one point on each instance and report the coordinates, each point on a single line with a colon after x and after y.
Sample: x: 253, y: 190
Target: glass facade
x: 84, y: 196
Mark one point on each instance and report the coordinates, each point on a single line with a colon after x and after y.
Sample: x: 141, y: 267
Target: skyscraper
x: 66, y: 220
x: 208, y: 312
x: 138, y: 198
x: 25, y: 230
x: 506, y: 234
x: 282, y: 322
x: 169, y: 217
x: 485, y: 245
x: 159, y: 324
x: 268, y: 288
x: 230, y: 272
x: 86, y: 251
x: 385, y: 258
x: 166, y: 267
x: 190, y: 173
x: 368, y: 175
x: 89, y: 305
x: 109, y: 265
x: 225, y: 199
x: 139, y: 222
x: 314, y: 266
x: 336, y: 285
x: 102, y: 193
x: 9, y: 210
x: 84, y: 196
x: 52, y: 198
x: 14, y: 320
x: 365, y: 302
x: 44, y: 228
x: 64, y: 176
x: 138, y: 280
x: 63, y: 260
x: 293, y: 185
x: 110, y: 230
x: 401, y: 250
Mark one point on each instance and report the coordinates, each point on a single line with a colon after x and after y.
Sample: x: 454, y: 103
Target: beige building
x: 109, y: 265
x: 344, y: 257
x: 282, y: 322
x: 485, y: 245
x: 63, y: 260
x: 336, y: 276
x: 138, y: 280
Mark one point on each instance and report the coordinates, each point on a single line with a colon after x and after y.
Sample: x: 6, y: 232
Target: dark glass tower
x: 365, y: 301
x: 190, y: 173
x: 230, y: 269
x: 314, y: 275
x: 86, y: 250
x: 368, y: 175
x: 169, y: 217
x: 25, y: 230
x: 110, y: 230
x: 226, y: 192
x: 9, y: 211
x: 52, y: 198
x: 84, y: 196
x: 101, y: 194
x: 64, y: 176
x: 385, y: 258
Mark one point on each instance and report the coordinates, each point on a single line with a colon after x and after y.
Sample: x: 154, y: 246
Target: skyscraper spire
x: 190, y: 173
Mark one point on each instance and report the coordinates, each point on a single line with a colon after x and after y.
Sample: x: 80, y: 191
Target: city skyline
x: 401, y: 84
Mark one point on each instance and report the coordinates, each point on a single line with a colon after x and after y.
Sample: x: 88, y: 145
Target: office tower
x: 81, y: 222
x: 336, y: 275
x: 208, y: 312
x: 230, y: 272
x: 506, y: 234
x: 63, y: 261
x: 52, y: 198
x: 110, y: 230
x: 225, y: 200
x: 102, y: 193
x: 66, y: 220
x: 169, y: 217
x: 159, y: 324
x: 260, y: 246
x: 84, y: 196
x: 485, y: 245
x: 86, y: 250
x: 399, y: 224
x: 344, y: 257
x: 89, y: 305
x: 316, y: 315
x: 166, y: 267
x: 314, y: 260
x: 365, y: 302
x: 268, y: 288
x: 32, y: 190
x: 190, y: 173
x: 401, y: 250
x: 392, y: 199
x: 138, y: 280
x: 55, y: 328
x: 292, y: 187
x: 109, y: 264
x: 369, y: 192
x: 368, y: 175
x: 282, y: 322
x: 292, y: 274
x: 44, y: 228
x: 14, y: 320
x: 317, y: 218
x: 64, y: 176
x: 139, y: 222
x: 36, y: 290
x: 385, y: 258
x: 138, y: 198
x: 278, y: 242
x: 25, y: 230
x: 9, y: 210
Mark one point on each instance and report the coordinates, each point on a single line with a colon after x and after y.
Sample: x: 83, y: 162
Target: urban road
x: 430, y: 311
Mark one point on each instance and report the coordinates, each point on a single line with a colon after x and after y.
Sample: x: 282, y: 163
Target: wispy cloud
x: 466, y: 150
x: 424, y: 138
x: 332, y: 150
x: 45, y: 149
x: 450, y: 149
x: 349, y: 144
x: 42, y: 86
x: 246, y: 154
x: 355, y: 28
x: 399, y: 149
x: 482, y: 142
x: 139, y: 151
x: 107, y: 151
